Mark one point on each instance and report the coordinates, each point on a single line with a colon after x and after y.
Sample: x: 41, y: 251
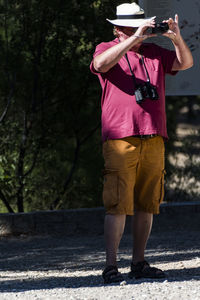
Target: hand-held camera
x: 144, y: 91
x: 160, y: 28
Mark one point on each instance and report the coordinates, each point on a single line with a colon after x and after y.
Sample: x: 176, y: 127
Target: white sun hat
x: 129, y: 15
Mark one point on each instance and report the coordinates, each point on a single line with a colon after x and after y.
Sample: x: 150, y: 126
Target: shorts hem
x: 151, y: 211
x: 111, y: 212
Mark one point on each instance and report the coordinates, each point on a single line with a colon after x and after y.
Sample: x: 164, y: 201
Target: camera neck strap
x: 147, y: 74
x: 132, y: 74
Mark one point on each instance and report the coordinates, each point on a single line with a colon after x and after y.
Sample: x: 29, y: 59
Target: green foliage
x: 51, y: 104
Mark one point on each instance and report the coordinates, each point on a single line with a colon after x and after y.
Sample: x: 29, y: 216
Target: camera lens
x: 160, y: 28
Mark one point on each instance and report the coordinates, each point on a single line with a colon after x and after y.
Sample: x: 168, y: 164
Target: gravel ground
x: 52, y: 267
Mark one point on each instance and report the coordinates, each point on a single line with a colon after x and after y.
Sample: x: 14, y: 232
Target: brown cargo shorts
x: 133, y: 175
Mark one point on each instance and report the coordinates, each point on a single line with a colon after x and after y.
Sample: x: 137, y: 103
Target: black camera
x: 160, y: 28
x: 145, y: 91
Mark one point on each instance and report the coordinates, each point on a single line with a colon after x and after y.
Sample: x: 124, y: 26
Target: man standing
x: 132, y: 76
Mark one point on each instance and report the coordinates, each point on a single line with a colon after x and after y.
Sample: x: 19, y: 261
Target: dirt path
x: 70, y: 267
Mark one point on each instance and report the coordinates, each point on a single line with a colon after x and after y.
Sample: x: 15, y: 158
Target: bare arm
x: 106, y: 60
x: 184, y: 59
x: 110, y: 57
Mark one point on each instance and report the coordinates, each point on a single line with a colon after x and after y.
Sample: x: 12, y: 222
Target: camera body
x: 160, y: 28
x: 145, y: 91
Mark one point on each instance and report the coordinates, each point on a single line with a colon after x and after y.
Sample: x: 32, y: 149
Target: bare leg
x: 142, y: 224
x: 113, y: 230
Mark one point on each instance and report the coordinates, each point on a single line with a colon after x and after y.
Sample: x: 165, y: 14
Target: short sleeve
x: 99, y: 49
x: 167, y: 58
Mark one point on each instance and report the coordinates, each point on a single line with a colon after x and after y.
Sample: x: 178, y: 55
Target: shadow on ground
x: 29, y: 263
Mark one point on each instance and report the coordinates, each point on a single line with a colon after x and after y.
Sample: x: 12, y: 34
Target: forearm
x: 184, y: 59
x: 110, y: 57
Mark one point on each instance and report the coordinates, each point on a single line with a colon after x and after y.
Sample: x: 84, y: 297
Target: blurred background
x: 50, y: 134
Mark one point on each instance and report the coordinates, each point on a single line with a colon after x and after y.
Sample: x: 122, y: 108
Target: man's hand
x: 174, y: 32
x: 142, y: 30
x: 184, y: 59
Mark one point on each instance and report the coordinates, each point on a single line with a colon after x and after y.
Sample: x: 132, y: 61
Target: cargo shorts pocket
x: 162, y: 190
x: 111, y: 190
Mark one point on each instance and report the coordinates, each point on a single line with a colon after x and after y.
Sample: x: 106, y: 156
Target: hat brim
x: 129, y: 22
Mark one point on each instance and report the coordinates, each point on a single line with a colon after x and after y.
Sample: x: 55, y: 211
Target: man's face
x: 128, y: 31
x: 125, y: 33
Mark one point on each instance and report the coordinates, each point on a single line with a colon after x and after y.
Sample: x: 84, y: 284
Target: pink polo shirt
x: 121, y: 115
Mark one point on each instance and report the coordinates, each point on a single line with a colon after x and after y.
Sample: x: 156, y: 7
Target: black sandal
x: 143, y: 270
x: 111, y: 275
